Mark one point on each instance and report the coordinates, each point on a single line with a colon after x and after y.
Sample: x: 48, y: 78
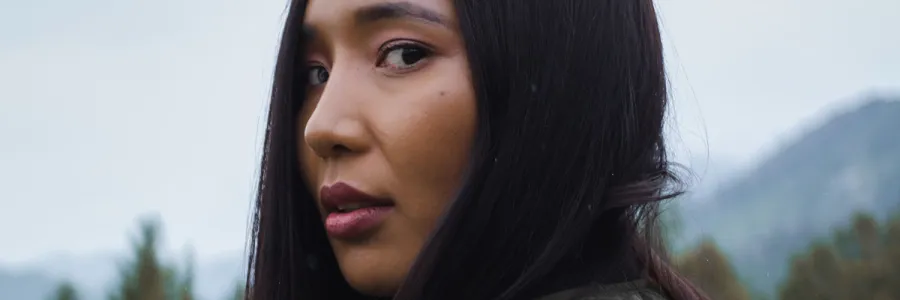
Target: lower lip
x: 355, y: 223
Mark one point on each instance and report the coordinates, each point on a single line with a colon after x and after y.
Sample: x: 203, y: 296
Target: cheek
x: 438, y: 139
x: 427, y: 142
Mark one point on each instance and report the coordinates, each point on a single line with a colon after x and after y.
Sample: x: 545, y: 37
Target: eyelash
x: 390, y: 46
x: 383, y: 53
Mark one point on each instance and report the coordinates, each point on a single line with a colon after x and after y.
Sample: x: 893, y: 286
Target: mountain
x: 708, y: 174
x: 25, y: 285
x: 90, y: 273
x: 93, y: 276
x: 801, y: 193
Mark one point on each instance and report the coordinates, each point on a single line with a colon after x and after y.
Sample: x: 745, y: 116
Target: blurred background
x: 131, y: 135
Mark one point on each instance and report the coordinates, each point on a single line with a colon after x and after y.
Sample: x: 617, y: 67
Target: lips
x: 351, y: 213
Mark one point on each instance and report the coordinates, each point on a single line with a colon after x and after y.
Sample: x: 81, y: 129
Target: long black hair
x: 567, y: 173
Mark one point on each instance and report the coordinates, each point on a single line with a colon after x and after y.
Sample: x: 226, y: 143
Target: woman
x: 468, y: 149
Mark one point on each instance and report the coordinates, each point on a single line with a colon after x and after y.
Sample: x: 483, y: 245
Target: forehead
x: 359, y: 13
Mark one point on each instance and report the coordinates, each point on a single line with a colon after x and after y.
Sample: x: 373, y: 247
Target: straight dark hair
x: 567, y: 173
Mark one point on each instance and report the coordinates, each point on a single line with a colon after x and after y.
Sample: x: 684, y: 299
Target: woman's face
x: 387, y: 129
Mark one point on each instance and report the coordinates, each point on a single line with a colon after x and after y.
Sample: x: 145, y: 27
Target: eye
x: 403, y: 56
x: 317, y: 75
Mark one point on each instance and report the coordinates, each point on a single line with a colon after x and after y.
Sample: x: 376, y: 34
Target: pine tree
x: 867, y: 236
x: 818, y: 275
x: 145, y: 277
x: 892, y: 258
x: 860, y: 262
x: 238, y: 292
x: 707, y: 267
x: 65, y: 291
x: 184, y: 284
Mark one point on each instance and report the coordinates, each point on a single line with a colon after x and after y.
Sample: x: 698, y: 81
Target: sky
x: 112, y: 110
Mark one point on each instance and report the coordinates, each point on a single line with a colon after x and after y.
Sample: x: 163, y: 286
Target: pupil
x: 412, y: 55
x: 323, y: 75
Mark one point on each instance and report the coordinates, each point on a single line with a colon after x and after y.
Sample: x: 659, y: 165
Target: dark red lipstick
x: 351, y: 213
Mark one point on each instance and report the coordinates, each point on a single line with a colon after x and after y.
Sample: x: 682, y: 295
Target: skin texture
x: 394, y: 123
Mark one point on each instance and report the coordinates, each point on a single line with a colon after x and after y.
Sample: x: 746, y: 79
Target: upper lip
x: 340, y: 195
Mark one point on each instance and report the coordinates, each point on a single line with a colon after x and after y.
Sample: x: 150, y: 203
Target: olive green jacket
x: 636, y: 290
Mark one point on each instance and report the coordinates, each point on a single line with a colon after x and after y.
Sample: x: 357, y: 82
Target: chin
x: 378, y: 264
x: 369, y: 283
x: 373, y: 275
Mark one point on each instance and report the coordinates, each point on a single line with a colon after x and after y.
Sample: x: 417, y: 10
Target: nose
x: 336, y: 126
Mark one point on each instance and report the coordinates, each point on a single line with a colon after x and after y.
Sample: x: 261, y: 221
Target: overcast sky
x: 112, y: 109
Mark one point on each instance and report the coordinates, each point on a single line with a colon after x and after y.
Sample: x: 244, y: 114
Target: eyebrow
x: 398, y: 10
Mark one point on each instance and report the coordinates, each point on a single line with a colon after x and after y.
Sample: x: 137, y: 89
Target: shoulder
x: 637, y: 290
